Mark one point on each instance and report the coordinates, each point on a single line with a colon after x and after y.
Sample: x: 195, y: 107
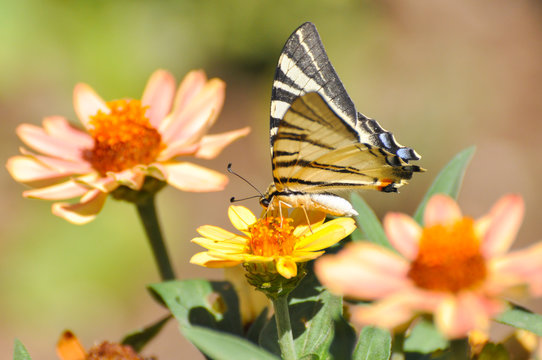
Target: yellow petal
x: 241, y: 217
x: 327, y: 234
x: 286, y: 267
x: 221, y: 246
x: 205, y: 259
x: 219, y: 234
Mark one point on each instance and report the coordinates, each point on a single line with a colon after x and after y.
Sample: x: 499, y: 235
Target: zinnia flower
x: 454, y: 267
x: 278, y: 242
x: 125, y: 141
x: 69, y: 348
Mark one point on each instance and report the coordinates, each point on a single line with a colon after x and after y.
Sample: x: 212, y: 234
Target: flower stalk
x: 284, y: 327
x: 147, y: 213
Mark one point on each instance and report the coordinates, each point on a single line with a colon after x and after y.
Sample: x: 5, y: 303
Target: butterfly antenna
x: 233, y: 199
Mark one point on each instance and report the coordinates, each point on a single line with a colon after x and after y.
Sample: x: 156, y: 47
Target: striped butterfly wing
x: 303, y: 68
x: 316, y: 151
x: 320, y: 144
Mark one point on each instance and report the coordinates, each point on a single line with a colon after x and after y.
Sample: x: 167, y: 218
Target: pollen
x: 272, y: 236
x: 449, y: 258
x: 123, y: 137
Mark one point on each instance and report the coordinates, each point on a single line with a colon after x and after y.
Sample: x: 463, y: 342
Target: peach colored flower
x: 69, y: 348
x: 455, y: 268
x: 125, y: 141
x: 281, y: 242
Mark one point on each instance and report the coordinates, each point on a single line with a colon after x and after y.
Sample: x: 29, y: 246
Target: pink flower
x: 455, y: 268
x: 125, y: 141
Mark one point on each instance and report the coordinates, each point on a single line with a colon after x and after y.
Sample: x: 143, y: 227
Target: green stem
x: 147, y: 213
x: 459, y: 349
x: 284, y: 328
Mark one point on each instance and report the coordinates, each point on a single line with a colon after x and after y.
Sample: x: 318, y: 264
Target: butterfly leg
x: 280, y: 210
x: 307, y: 217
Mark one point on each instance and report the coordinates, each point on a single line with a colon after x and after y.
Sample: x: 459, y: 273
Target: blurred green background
x: 441, y: 75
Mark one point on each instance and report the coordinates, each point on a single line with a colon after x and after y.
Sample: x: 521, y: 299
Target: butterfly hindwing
x: 325, y: 153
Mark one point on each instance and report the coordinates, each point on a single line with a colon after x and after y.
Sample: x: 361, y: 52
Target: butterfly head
x: 267, y: 197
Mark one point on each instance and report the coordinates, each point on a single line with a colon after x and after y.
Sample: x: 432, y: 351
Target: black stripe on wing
x: 304, y: 67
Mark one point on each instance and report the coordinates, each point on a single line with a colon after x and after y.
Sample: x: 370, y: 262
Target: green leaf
x: 368, y: 222
x: 253, y: 333
x: 522, y: 318
x: 374, y: 344
x: 425, y: 338
x: 313, y: 315
x: 212, y: 304
x: 139, y: 338
x: 494, y: 352
x: 20, y: 352
x: 448, y: 181
x: 343, y: 342
x: 222, y: 346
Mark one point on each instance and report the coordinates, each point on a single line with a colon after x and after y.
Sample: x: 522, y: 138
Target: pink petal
x: 59, y: 128
x: 157, y: 170
x: 31, y: 172
x: 132, y: 178
x: 190, y: 177
x: 519, y: 268
x: 87, y: 103
x: 458, y: 315
x: 62, y: 191
x: 364, y: 271
x: 177, y: 149
x: 105, y: 184
x: 190, y: 86
x: 506, y: 217
x: 395, y: 310
x: 36, y: 138
x: 66, y: 167
x: 404, y: 234
x: 212, y: 145
x: 194, y: 120
x: 441, y: 209
x: 158, y: 95
x: 84, y: 211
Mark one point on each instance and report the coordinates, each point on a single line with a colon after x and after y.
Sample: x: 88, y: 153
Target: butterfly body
x: 321, y: 147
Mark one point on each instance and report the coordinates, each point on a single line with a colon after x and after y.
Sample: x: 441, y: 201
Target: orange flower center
x: 123, y: 138
x: 449, y: 258
x: 272, y: 237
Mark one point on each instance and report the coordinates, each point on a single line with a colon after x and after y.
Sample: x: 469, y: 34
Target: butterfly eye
x: 264, y: 202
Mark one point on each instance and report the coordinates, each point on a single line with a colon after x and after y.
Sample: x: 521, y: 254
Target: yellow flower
x: 277, y: 243
x: 126, y: 142
x: 455, y: 267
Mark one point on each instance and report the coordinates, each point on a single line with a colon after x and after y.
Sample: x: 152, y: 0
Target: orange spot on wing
x: 384, y: 183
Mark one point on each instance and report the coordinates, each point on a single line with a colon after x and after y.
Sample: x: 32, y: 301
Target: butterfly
x: 321, y: 147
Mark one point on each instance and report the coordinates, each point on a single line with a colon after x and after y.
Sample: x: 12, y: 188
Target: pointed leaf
x: 374, y: 344
x: 222, y: 346
x: 425, y: 338
x: 448, y: 181
x: 522, y: 318
x: 139, y: 338
x: 20, y: 352
x: 368, y: 223
x: 206, y: 303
